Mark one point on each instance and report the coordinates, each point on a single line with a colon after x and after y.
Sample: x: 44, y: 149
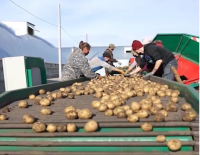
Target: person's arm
x: 131, y: 67
x: 84, y: 67
x: 135, y: 71
x: 157, y: 65
x: 106, y: 65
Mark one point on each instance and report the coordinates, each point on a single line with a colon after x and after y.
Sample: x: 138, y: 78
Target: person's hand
x: 122, y: 72
x: 119, y: 62
x: 149, y: 74
x: 98, y: 76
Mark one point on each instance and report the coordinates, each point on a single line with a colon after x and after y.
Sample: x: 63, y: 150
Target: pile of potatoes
x: 112, y: 92
x: 72, y: 113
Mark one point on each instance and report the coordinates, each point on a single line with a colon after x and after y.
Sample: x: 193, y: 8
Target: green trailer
x: 115, y: 136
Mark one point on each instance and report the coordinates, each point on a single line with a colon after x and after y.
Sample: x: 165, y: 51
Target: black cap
x: 107, y: 54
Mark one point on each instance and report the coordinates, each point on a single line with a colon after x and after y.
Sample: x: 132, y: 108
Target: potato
x: 139, y: 93
x: 171, y: 108
x: 146, y: 89
x: 126, y: 107
x: 45, y: 102
x: 62, y: 89
x: 39, y: 127
x: 118, y: 109
x: 161, y: 93
x: 145, y: 106
x: 69, y: 108
x: 91, y: 91
x: 146, y: 127
x: 85, y: 114
x: 159, y: 117
x: 117, y: 102
x: 71, y: 114
x: 96, y: 104
x: 61, y: 128
x: 163, y: 112
x: 46, y: 111
x: 157, y: 101
x: 103, y: 107
x: 28, y: 119
x: 189, y: 115
x: 135, y: 106
x: 186, y: 106
x: 23, y: 104
x: 54, y: 95
x: 71, y: 127
x: 110, y: 105
x: 174, y: 144
x: 109, y: 112
x: 175, y: 94
x: 160, y: 106
x: 133, y: 118
x: 50, y: 98
x: 64, y: 94
x: 70, y: 96
x: 2, y: 117
x: 160, y: 138
x: 86, y: 92
x: 129, y: 112
x: 31, y: 97
x: 91, y: 126
x: 98, y: 95
x: 59, y: 94
x: 41, y: 91
x: 121, y: 114
x: 174, y: 99
x: 48, y: 93
x: 67, y: 90
x: 154, y: 110
x: 143, y: 113
x: 131, y: 93
x: 78, y: 93
x: 168, y: 93
x: 51, y: 128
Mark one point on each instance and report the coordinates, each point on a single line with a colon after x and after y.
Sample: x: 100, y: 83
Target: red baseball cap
x: 136, y: 45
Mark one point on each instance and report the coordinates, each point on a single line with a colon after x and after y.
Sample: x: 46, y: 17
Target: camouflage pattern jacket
x: 76, y: 66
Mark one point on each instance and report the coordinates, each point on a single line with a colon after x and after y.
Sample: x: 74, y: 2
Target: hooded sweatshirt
x: 76, y: 66
x: 152, y: 53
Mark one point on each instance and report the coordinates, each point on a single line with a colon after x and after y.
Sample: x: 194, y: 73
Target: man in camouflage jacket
x: 76, y: 66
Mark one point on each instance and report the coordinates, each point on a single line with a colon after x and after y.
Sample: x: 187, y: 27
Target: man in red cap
x: 155, y: 55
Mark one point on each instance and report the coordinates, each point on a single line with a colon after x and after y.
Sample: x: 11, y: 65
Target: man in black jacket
x: 155, y: 55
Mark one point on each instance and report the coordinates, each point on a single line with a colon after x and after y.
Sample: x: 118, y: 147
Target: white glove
x: 119, y: 62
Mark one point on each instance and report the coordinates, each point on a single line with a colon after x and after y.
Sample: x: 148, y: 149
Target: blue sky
x: 106, y: 21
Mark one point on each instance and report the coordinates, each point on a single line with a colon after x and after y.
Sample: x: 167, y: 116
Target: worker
x: 158, y: 43
x: 136, y: 61
x: 77, y: 64
x: 97, y: 63
x: 112, y: 60
x: 156, y: 54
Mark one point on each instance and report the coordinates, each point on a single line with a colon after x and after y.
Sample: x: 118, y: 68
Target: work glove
x: 98, y: 76
x: 119, y: 62
x: 122, y: 72
x: 149, y: 74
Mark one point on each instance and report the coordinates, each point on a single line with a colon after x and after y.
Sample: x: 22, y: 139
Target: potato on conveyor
x: 98, y: 95
x: 69, y: 108
x: 67, y: 90
x: 143, y: 113
x: 164, y: 112
x: 31, y: 97
x: 146, y: 127
x: 2, y: 117
x: 46, y: 111
x: 45, y: 102
x: 186, y: 106
x: 174, y: 99
x: 174, y: 144
x: 133, y: 118
x: 91, y: 126
x: 64, y: 94
x: 70, y: 96
x: 121, y: 114
x: 71, y: 127
x: 96, y: 104
x: 71, y: 114
x: 129, y: 112
x: 109, y: 112
x: 38, y: 97
x: 135, y: 106
x: 171, y: 108
x: 111, y: 105
x: 159, y: 117
x: 118, y: 109
x: 28, y: 119
x: 102, y: 107
x: 39, y: 127
x: 61, y: 128
x: 23, y: 104
x: 189, y: 115
x: 85, y: 114
x: 160, y: 138
x: 41, y: 91
x: 51, y: 128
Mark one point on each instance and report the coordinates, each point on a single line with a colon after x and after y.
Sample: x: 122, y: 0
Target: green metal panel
x: 181, y: 43
x: 93, y: 149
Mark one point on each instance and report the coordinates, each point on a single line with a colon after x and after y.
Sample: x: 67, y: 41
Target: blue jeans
x: 167, y: 70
